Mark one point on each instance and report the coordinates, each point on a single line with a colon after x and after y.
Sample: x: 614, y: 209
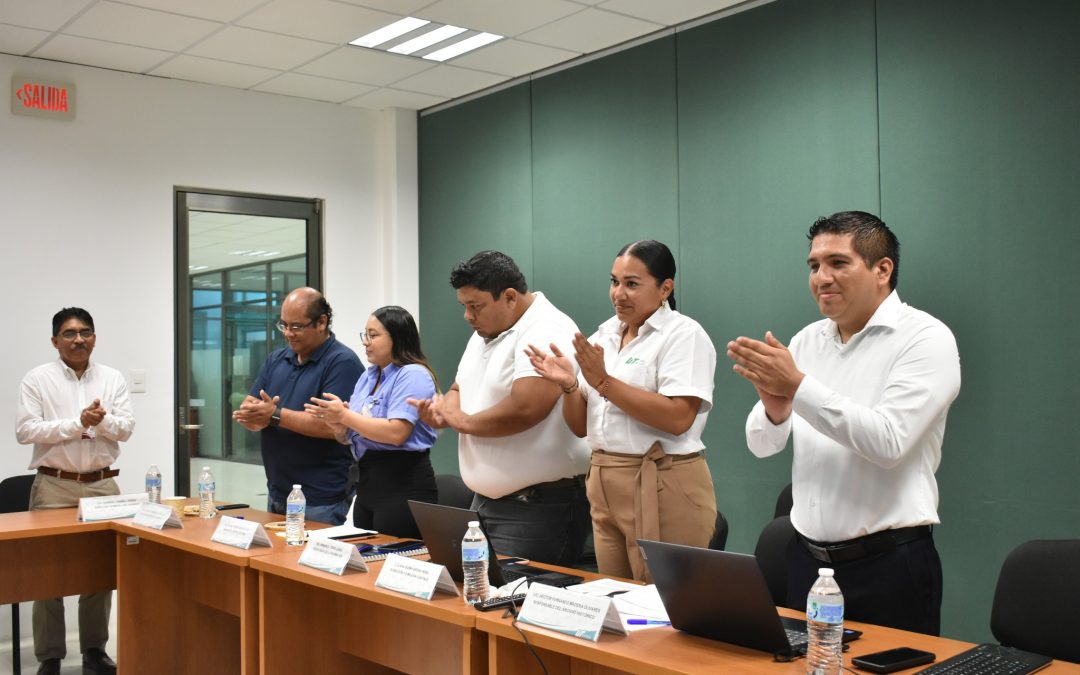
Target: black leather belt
x: 91, y: 477
x: 525, y: 494
x: 862, y: 547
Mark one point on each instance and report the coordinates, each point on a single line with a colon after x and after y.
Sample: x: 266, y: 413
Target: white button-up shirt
x: 51, y: 401
x: 868, y: 422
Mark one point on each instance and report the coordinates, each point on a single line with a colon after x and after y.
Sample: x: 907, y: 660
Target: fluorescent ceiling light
x: 467, y: 45
x: 427, y: 39
x: 387, y: 33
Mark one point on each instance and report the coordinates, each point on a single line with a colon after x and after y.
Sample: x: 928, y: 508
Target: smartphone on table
x: 891, y: 660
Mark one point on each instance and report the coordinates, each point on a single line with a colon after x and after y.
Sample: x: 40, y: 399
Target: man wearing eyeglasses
x: 75, y: 413
x: 298, y: 448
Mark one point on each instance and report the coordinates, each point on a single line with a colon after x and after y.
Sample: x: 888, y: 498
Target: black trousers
x: 900, y: 588
x: 386, y: 480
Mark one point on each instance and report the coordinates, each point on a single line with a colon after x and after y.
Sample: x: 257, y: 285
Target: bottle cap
x: 296, y: 486
x: 474, y: 523
x: 825, y: 572
x: 206, y: 468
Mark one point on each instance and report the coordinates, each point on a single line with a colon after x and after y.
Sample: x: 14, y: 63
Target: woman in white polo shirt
x: 641, y: 402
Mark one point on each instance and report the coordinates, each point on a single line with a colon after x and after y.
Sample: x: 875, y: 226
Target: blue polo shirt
x: 320, y: 465
x: 399, y: 383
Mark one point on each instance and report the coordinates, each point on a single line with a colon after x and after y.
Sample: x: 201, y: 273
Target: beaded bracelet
x: 571, y: 389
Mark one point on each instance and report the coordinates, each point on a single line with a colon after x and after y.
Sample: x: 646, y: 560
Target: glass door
x: 238, y: 256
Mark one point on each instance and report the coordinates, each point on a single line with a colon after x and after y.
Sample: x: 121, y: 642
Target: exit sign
x: 42, y: 98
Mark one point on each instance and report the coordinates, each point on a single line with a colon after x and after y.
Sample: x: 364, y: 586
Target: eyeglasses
x: 368, y: 337
x: 85, y: 333
x: 293, y: 327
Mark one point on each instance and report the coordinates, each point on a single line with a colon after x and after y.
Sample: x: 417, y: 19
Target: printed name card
x: 332, y: 556
x: 240, y: 533
x: 417, y: 578
x: 156, y: 516
x: 571, y: 613
x: 110, y: 506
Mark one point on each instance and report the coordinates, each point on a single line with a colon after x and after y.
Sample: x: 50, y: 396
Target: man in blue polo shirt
x: 297, y: 447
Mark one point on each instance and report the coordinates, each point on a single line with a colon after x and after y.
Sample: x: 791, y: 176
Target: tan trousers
x: 656, y: 496
x: 50, y: 632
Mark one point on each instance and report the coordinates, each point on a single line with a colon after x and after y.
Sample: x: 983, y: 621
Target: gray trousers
x: 50, y: 632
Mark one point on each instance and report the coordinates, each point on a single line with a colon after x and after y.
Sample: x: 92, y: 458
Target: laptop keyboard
x: 988, y: 659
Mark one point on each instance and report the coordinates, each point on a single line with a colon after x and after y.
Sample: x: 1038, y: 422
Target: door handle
x: 191, y: 427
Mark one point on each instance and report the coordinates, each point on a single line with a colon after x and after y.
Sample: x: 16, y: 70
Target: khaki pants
x: 50, y: 632
x: 660, y: 497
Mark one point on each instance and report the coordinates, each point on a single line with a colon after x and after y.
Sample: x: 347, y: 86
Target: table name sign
x: 110, y: 507
x: 156, y: 516
x: 570, y: 613
x: 240, y: 533
x: 417, y: 578
x: 331, y: 556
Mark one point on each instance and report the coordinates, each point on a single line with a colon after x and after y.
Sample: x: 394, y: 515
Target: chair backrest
x: 15, y: 493
x: 771, y: 554
x: 783, y: 502
x: 453, y: 492
x: 719, y: 537
x: 1037, y: 600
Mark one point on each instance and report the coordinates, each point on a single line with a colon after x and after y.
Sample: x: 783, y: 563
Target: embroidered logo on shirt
x: 633, y: 361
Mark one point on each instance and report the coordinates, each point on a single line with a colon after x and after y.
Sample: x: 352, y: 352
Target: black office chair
x: 1035, y: 603
x: 719, y: 537
x: 783, y: 502
x: 14, y: 497
x: 771, y: 554
x: 452, y: 491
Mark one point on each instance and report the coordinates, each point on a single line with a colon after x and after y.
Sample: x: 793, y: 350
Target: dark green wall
x: 954, y: 119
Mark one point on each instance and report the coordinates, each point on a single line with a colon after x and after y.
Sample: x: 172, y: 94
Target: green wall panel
x: 604, y: 172
x: 980, y: 155
x: 777, y: 126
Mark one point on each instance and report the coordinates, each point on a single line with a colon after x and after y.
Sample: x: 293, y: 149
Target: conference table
x: 188, y: 605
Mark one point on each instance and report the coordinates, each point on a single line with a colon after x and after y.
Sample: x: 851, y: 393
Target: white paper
x: 417, y: 578
x: 332, y: 556
x: 156, y: 516
x: 604, y: 587
x: 642, y: 603
x: 240, y: 533
x: 110, y: 507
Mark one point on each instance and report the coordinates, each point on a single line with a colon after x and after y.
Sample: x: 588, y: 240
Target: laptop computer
x: 442, y: 528
x: 723, y: 596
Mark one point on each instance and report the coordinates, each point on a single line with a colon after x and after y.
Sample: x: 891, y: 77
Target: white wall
x: 86, y: 211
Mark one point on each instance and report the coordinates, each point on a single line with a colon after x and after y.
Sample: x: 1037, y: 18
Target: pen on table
x: 647, y: 622
x: 352, y: 536
x: 226, y: 507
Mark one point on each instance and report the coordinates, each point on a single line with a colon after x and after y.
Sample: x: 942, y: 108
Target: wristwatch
x: 275, y: 419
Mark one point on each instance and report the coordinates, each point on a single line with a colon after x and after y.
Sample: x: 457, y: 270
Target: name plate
x: 156, y: 516
x: 571, y: 613
x: 417, y: 578
x: 240, y: 533
x: 110, y: 507
x: 331, y: 556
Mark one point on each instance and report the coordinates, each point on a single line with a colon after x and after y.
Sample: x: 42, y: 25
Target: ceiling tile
x: 198, y: 69
x: 318, y: 20
x: 215, y: 10
x: 103, y: 54
x: 308, y: 86
x: 381, y: 99
x: 503, y: 17
x: 397, y: 6
x: 256, y: 48
x: 43, y: 14
x: 15, y: 40
x: 513, y: 58
x: 356, y: 64
x: 141, y: 27
x: 449, y: 81
x: 669, y: 12
x: 590, y: 30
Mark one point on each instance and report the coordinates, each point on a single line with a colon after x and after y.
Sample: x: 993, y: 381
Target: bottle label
x: 824, y: 612
x: 153, y: 483
x: 207, y: 487
x: 294, y: 509
x: 474, y: 553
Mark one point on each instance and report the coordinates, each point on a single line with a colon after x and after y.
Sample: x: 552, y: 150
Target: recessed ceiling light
x: 458, y: 48
x: 425, y: 39
x: 388, y: 33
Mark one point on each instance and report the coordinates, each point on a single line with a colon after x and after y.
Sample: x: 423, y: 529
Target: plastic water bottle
x: 474, y: 563
x: 153, y: 484
x: 295, y: 506
x: 825, y: 623
x: 206, y: 494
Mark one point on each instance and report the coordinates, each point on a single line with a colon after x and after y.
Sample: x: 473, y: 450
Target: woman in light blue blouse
x: 390, y: 442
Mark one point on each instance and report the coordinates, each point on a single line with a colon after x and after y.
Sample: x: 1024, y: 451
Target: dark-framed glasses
x: 293, y: 327
x: 85, y: 333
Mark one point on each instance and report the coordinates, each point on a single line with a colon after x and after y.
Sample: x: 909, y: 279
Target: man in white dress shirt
x: 75, y: 413
x: 865, y: 393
